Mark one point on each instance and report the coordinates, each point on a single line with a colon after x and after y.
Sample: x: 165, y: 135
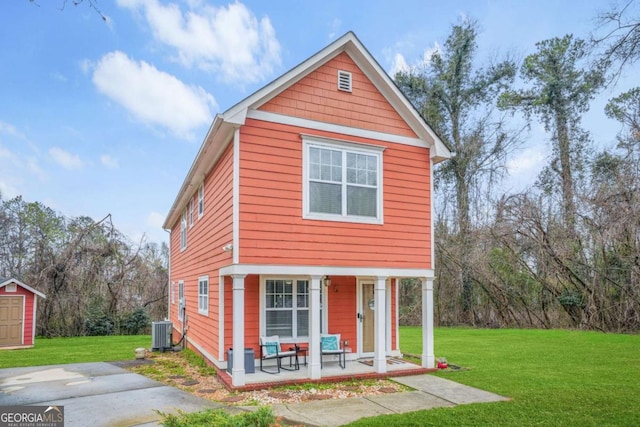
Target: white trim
x: 314, y: 370
x: 315, y: 270
x: 379, y: 325
x: 349, y: 44
x: 204, y: 311
x: 345, y: 147
x: 183, y: 230
x: 432, y: 215
x: 22, y: 285
x: 428, y: 358
x: 221, y: 316
x: 334, y: 128
x: 191, y: 208
x: 238, y: 372
x: 236, y: 196
x: 206, y: 354
x: 33, y: 327
x: 263, y: 310
x: 182, y: 301
x: 397, y: 325
x: 11, y: 288
x: 387, y: 321
x: 201, y: 199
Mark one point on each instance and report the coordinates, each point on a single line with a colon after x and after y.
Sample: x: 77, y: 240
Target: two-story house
x: 306, y: 204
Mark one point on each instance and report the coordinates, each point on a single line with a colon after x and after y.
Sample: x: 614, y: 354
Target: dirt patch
x: 174, y: 369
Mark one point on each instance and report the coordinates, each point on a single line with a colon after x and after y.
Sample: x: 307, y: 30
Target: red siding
x: 203, y: 255
x: 272, y: 230
x: 316, y: 97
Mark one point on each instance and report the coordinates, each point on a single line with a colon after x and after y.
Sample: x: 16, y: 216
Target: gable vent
x: 344, y: 81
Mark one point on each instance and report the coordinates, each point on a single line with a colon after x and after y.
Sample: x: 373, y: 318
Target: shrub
x: 136, y: 322
x: 263, y: 417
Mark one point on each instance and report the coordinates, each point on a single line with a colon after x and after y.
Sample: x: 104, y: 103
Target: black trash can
x: 249, y: 360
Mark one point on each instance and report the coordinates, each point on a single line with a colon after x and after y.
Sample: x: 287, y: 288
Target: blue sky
x: 99, y: 118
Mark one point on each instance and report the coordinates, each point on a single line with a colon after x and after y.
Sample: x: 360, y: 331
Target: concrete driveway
x: 96, y: 394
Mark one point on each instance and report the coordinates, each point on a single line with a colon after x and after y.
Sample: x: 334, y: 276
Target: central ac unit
x: 161, y: 335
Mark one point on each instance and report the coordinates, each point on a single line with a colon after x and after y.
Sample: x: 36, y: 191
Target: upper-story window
x: 191, y: 203
x: 201, y: 200
x: 343, y: 181
x: 183, y: 231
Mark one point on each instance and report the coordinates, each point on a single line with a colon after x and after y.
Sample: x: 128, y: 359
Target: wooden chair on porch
x: 330, y: 344
x: 270, y: 349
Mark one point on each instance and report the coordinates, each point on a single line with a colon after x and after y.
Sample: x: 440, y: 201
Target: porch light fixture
x: 326, y: 281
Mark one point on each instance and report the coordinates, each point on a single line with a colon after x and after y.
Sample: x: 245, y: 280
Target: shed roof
x: 7, y: 281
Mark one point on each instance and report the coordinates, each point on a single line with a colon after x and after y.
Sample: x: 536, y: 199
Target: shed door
x: 11, y: 321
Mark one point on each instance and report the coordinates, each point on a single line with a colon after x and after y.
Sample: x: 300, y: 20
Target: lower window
x: 287, y: 307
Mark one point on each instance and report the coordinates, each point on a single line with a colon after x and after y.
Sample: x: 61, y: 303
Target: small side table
x: 300, y: 351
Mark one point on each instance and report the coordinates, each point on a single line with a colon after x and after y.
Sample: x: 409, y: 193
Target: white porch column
x: 428, y: 358
x: 237, y: 373
x: 379, y: 323
x: 314, y: 371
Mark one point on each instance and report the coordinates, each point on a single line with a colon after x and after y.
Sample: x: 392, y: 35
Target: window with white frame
x: 183, y: 231
x: 287, y: 307
x: 201, y: 200
x: 181, y: 301
x: 203, y: 295
x: 191, y: 203
x: 343, y: 181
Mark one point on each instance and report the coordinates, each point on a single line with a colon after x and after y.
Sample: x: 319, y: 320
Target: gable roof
x: 223, y: 126
x: 5, y: 282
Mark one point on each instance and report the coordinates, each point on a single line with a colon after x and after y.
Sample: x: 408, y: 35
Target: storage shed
x: 18, y: 307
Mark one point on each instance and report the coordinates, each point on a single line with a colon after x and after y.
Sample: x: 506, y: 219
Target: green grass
x: 263, y: 417
x: 53, y: 351
x: 555, y: 378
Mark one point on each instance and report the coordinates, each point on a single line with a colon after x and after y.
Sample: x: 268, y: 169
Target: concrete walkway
x: 101, y: 394
x: 96, y: 394
x: 430, y: 392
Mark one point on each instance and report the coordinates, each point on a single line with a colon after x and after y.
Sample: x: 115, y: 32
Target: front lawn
x: 53, y: 351
x: 555, y: 378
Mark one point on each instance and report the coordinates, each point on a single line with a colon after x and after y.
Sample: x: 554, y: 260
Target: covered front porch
x: 331, y: 372
x: 365, y: 295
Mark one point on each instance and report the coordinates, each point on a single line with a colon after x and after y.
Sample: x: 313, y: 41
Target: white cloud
x: 155, y: 220
x: 399, y: 63
x: 66, y: 159
x: 110, y: 162
x: 9, y: 129
x: 153, y: 96
x: 228, y: 40
x: 334, y: 27
x: 530, y: 160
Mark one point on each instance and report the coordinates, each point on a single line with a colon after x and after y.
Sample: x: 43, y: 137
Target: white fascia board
x: 335, y: 128
x: 22, y: 285
x: 319, y: 270
x: 396, y: 98
x: 237, y: 113
x: 219, y: 135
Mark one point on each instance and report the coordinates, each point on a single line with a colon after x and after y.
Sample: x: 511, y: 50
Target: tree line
x: 566, y: 251
x: 95, y: 280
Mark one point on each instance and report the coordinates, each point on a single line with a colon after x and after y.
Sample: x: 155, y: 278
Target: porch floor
x: 331, y: 372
